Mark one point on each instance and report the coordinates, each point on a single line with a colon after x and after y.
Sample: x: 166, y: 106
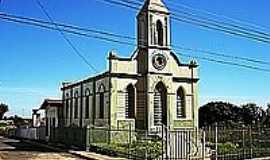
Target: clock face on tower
x: 159, y: 61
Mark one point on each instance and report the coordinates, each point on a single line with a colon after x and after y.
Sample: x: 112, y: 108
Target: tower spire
x: 154, y: 25
x: 155, y: 5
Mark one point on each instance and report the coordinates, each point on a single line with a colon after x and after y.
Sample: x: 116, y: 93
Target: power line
x: 175, y: 8
x: 213, y: 53
x: 209, y: 13
x: 73, y: 27
x: 106, y: 33
x: 225, y: 62
x: 203, y: 23
x: 121, y: 42
x: 88, y: 35
x: 211, y: 20
x: 223, y: 55
x: 231, y: 32
x: 112, y: 2
x: 92, y: 30
x: 65, y: 37
x: 225, y: 24
x: 218, y: 25
x: 217, y: 15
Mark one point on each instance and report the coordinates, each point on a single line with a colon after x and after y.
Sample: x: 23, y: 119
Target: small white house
x: 53, y: 113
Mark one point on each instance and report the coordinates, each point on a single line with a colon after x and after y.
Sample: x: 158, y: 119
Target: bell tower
x: 153, y: 25
x: 153, y: 37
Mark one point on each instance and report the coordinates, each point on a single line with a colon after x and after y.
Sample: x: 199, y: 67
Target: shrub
x: 227, y: 147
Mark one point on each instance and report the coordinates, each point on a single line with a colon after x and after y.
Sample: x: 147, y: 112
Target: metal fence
x: 159, y: 144
x: 238, y: 143
x: 126, y: 143
x: 227, y: 143
x: 69, y: 136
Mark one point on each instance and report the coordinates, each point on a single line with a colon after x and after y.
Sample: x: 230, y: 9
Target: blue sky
x: 35, y: 61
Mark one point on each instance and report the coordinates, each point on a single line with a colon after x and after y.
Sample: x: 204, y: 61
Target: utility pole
x: 23, y: 108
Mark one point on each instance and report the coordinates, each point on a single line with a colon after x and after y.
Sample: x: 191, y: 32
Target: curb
x: 263, y: 158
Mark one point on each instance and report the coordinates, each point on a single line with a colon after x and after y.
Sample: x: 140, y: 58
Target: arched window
x: 180, y: 103
x: 130, y: 102
x: 67, y: 105
x: 87, y: 106
x: 76, y: 105
x: 101, y: 101
x: 160, y: 104
x: 71, y: 108
x: 160, y: 33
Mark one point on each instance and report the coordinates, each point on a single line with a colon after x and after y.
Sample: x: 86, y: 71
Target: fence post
x: 162, y: 141
x: 250, y: 141
x: 216, y: 141
x: 129, y: 139
x: 87, y: 138
x: 243, y: 140
x: 109, y: 132
x: 146, y: 154
x: 203, y: 145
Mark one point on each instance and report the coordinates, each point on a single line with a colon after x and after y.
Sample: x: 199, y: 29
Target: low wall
x: 31, y: 133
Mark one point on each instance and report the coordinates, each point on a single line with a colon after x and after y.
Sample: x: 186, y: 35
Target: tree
x: 18, y: 121
x: 252, y: 114
x: 3, y: 110
x: 266, y: 122
x: 219, y: 112
x: 230, y: 115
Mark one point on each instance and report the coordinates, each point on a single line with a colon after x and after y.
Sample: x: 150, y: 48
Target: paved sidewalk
x: 94, y: 156
x: 263, y: 158
x: 14, y: 149
x: 81, y: 154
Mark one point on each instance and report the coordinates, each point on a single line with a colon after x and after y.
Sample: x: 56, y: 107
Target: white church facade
x: 150, y: 88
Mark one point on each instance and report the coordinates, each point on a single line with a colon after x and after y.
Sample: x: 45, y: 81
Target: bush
x: 227, y: 147
x: 152, y: 149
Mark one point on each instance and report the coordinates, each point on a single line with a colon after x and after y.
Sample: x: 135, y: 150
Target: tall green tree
x: 18, y: 121
x: 231, y: 115
x: 267, y: 117
x: 3, y: 110
x: 219, y: 112
x: 253, y: 114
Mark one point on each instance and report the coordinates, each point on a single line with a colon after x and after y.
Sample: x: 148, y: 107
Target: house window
x: 160, y: 33
x: 76, y: 106
x: 180, y: 103
x: 130, y: 102
x: 87, y: 95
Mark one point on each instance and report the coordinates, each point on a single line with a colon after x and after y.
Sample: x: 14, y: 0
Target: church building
x: 149, y: 89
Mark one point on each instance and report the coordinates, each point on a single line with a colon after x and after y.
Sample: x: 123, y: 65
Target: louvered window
x: 180, y: 104
x: 157, y: 108
x: 130, y: 102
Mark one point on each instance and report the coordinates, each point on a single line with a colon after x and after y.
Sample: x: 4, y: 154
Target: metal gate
x: 183, y: 144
